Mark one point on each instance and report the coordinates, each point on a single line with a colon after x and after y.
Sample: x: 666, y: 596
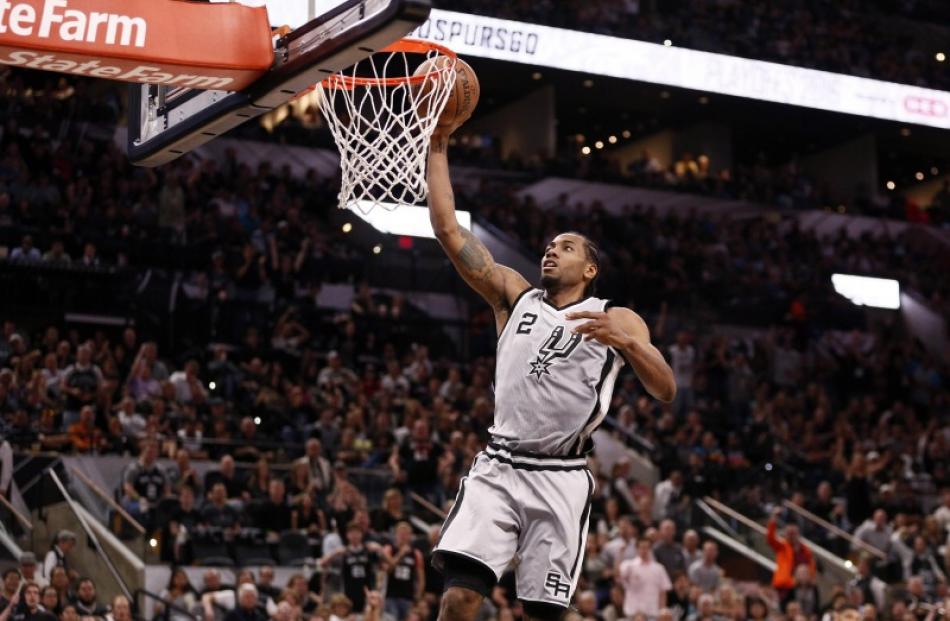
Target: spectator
x: 183, y: 473
x: 56, y: 255
x: 133, y: 423
x: 25, y: 251
x: 804, y: 593
x: 248, y: 608
x: 667, y: 496
x: 667, y: 552
x: 52, y: 600
x: 613, y: 611
x: 683, y: 361
x: 390, y: 513
x: 80, y: 383
x: 871, y: 587
x: 30, y: 609
x: 790, y: 552
x: 180, y: 594
x: 621, y: 548
x: 63, y: 543
x: 227, y: 475
x: 11, y: 586
x: 188, y: 387
x: 419, y: 464
x: 217, y: 513
x: 121, y: 609
x: 86, y: 602
x: 335, y: 374
x: 265, y: 583
x: 321, y: 473
x: 59, y: 581
x: 144, y: 484
x: 181, y: 526
x: 876, y: 532
x: 645, y: 583
x: 691, y: 551
x: 705, y: 573
x: 406, y: 570
x: 274, y: 515
x: 28, y: 569
x: 586, y: 604
x: 359, y: 562
x: 84, y: 436
x: 8, y: 608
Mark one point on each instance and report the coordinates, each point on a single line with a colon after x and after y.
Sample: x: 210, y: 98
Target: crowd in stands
x: 844, y: 36
x: 851, y: 424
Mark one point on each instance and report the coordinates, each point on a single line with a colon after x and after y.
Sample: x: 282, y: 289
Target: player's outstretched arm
x: 499, y: 285
x: 625, y: 331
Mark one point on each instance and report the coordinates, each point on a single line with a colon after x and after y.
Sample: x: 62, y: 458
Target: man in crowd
x: 65, y: 541
x: 28, y: 569
x: 667, y: 551
x: 144, y: 484
x: 86, y: 602
x: 29, y: 608
x: 705, y: 573
x: 790, y: 552
x: 248, y: 608
x: 645, y: 583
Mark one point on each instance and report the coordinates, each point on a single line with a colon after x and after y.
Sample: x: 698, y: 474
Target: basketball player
x: 527, y: 496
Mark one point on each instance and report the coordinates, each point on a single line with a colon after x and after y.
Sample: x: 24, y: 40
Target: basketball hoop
x: 382, y: 117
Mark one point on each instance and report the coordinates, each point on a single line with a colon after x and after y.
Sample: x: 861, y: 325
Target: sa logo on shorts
x: 554, y: 585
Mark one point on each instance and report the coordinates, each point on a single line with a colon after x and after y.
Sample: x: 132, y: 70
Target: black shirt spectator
x: 273, y: 514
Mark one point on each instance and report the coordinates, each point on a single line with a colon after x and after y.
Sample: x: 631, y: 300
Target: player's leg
x: 467, y: 583
x: 551, y: 546
x: 478, y: 540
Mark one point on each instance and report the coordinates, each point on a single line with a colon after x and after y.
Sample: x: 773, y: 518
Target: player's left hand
x: 601, y: 327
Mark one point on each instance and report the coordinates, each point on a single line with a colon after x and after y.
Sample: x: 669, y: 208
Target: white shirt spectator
x: 684, y: 361
x: 643, y: 584
x: 665, y: 492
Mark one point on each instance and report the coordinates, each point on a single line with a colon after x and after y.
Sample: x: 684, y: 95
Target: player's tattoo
x: 472, y: 255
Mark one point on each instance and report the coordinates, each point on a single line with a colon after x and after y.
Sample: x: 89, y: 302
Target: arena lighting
x: 612, y: 140
x: 588, y: 83
x: 536, y: 75
x: 586, y: 150
x: 940, y: 56
x: 409, y: 220
x: 257, y: 420
x: 153, y: 542
x: 667, y: 43
x: 599, y: 144
x: 868, y: 291
x: 934, y: 171
x: 891, y: 185
x: 377, y: 249
x: 626, y: 133
x: 919, y: 176
x: 905, y: 132
x: 212, y: 385
x: 347, y: 227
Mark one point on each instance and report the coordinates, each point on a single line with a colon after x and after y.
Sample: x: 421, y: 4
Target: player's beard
x: 550, y: 283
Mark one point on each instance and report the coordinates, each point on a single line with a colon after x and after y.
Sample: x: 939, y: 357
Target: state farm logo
x: 56, y: 20
x: 925, y: 106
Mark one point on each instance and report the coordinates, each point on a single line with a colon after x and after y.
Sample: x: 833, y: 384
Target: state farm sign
x: 170, y: 42
x: 57, y: 20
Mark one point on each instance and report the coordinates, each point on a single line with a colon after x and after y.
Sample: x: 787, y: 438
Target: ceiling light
x: 586, y: 150
x: 599, y: 144
x: 588, y: 83
x: 919, y: 176
x: 347, y: 227
x: 667, y: 42
x: 377, y: 249
x: 940, y: 57
x: 905, y: 132
x: 536, y: 75
x: 891, y: 185
x: 626, y: 133
x: 704, y: 100
x: 612, y: 140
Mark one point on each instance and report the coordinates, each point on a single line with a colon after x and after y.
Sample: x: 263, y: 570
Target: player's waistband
x: 533, y: 461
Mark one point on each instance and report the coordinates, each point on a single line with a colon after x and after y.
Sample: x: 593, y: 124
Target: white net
x: 382, y: 126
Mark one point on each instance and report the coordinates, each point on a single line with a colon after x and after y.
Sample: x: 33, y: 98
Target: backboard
x: 167, y: 122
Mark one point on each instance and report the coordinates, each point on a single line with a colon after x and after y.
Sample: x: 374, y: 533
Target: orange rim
x: 408, y: 46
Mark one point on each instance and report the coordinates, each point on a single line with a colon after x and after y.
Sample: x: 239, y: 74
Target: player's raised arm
x: 499, y: 285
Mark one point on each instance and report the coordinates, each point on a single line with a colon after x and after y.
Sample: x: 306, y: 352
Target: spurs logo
x: 552, y: 351
x: 555, y: 586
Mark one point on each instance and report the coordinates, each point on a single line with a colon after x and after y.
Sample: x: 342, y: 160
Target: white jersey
x: 552, y: 388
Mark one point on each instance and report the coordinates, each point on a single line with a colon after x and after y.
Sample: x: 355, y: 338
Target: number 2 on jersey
x: 528, y: 320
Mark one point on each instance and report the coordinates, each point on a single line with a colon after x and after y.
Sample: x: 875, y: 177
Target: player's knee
x: 459, y: 604
x: 542, y: 611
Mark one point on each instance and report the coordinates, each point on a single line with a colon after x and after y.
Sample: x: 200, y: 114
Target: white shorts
x: 530, y: 509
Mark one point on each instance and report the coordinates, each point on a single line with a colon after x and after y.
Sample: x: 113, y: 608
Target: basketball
x: 464, y: 96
